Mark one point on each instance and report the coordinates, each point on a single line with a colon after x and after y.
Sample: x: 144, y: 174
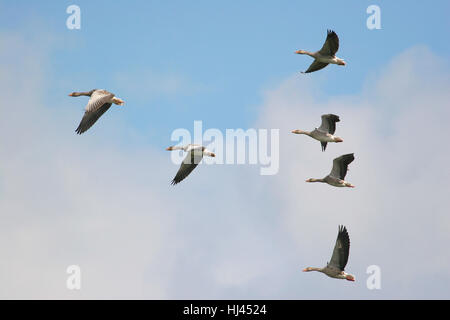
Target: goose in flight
x: 99, y: 102
x: 337, y: 174
x: 335, y: 268
x: 326, y: 55
x: 193, y: 158
x: 325, y: 133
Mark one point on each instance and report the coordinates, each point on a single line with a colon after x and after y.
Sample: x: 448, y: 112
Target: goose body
x: 336, y: 178
x: 325, y: 133
x: 326, y: 55
x: 194, y: 155
x: 335, y: 268
x: 99, y: 102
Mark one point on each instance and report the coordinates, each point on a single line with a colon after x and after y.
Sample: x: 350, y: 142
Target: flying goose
x: 325, y: 133
x: 335, y: 268
x: 337, y: 174
x: 100, y: 101
x: 326, y: 55
x: 193, y: 158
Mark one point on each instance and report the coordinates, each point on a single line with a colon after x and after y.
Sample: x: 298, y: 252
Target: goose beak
x: 118, y: 101
x: 304, y: 270
x: 169, y: 149
x: 71, y: 94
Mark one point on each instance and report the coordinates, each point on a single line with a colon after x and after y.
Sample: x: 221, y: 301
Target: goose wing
x: 189, y: 163
x: 341, y: 249
x: 315, y: 66
x: 340, y: 165
x: 329, y: 123
x: 331, y: 45
x: 98, y: 104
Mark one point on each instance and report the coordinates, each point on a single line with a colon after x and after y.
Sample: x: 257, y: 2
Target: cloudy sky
x: 103, y: 200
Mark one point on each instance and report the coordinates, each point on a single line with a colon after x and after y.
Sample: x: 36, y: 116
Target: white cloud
x: 398, y: 214
x: 227, y: 232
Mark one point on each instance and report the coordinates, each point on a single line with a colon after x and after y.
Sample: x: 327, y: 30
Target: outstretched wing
x: 98, y: 104
x: 331, y: 45
x: 90, y: 117
x: 316, y: 65
x: 341, y: 249
x: 189, y: 163
x: 340, y: 165
x: 329, y: 123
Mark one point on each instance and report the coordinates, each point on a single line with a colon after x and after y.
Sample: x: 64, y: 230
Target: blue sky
x: 103, y: 200
x: 224, y: 54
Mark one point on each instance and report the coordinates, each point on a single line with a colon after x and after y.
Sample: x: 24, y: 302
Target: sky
x: 103, y: 200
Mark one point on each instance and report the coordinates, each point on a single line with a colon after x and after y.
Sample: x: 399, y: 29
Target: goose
x: 193, y: 158
x: 326, y: 55
x: 325, y: 133
x: 335, y: 268
x: 338, y: 173
x: 99, y: 102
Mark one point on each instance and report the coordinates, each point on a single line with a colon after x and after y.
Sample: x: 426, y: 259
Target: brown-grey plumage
x: 331, y: 45
x: 194, y: 155
x: 340, y: 165
x: 328, y: 125
x: 338, y: 172
x: 341, y: 249
x: 335, y: 268
x: 100, y: 101
x: 325, y: 133
x: 188, y: 165
x: 316, y: 66
x: 90, y: 117
x: 326, y: 55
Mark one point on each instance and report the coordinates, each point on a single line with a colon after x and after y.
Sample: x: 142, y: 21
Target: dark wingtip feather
x: 331, y: 32
x: 348, y: 158
x: 335, y: 118
x: 343, y: 232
